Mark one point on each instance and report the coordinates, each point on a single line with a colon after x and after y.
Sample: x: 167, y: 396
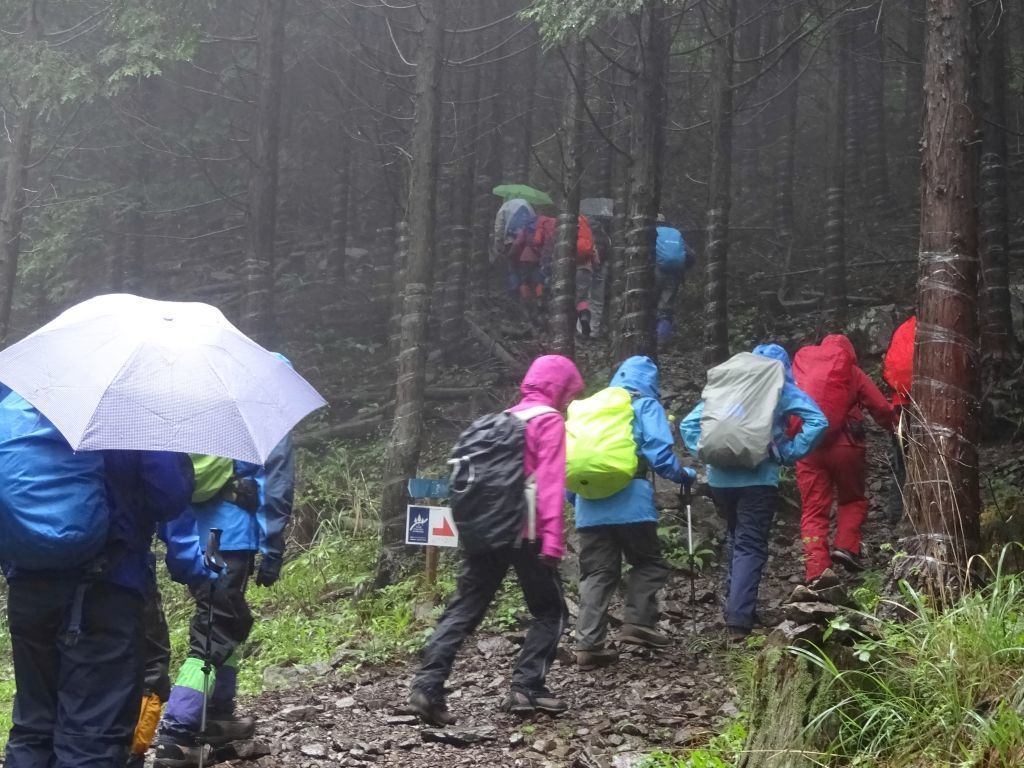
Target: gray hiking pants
x: 602, y: 548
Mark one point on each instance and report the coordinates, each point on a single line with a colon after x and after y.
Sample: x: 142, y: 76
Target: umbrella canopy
x: 123, y: 372
x: 524, y: 192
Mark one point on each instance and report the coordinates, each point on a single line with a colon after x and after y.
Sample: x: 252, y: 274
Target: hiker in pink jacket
x: 551, y: 381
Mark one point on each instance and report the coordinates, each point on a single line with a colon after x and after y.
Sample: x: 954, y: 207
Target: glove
x: 269, y: 571
x: 689, y: 476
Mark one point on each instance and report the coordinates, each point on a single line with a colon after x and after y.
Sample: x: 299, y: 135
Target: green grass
x: 944, y: 688
x: 721, y: 751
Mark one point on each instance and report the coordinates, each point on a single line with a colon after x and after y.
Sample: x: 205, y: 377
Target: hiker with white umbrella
x: 106, y: 400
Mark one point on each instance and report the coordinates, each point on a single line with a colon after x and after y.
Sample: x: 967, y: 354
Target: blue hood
x: 639, y: 374
x: 776, y: 352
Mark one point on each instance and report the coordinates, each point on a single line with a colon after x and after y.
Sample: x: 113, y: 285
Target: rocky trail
x: 648, y: 702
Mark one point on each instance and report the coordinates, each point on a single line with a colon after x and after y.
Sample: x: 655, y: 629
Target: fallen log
x: 350, y: 429
x: 492, y: 345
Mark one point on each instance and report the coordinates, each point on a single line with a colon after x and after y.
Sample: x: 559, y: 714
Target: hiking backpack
x: 212, y: 473
x: 898, y: 366
x: 522, y: 220
x: 670, y: 250
x: 54, y: 513
x: 600, y: 452
x: 584, y: 242
x: 492, y: 500
x: 825, y: 375
x: 738, y: 420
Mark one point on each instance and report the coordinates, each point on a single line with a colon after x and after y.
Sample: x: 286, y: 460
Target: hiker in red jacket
x: 898, y: 372
x: 837, y: 468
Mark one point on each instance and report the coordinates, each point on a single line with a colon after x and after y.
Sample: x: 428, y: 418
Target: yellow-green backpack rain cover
x: 600, y: 453
x: 212, y: 473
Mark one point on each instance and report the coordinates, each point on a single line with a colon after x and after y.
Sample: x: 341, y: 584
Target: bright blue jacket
x: 653, y: 435
x: 793, y: 402
x: 262, y: 531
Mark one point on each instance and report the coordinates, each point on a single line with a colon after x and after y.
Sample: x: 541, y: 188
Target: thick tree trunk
x: 638, y: 308
x: 12, y: 214
x: 563, y: 283
x: 835, y: 185
x: 258, y: 270
x: 943, y: 468
x: 716, y: 289
x: 403, y: 450
x: 997, y: 338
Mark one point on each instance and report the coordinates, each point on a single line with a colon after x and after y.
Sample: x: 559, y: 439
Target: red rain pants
x: 836, y: 471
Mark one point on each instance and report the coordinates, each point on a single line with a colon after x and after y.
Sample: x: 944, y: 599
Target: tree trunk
x: 870, y: 44
x: 12, y: 215
x: 835, y: 185
x: 383, y: 275
x: 638, y: 302
x: 716, y: 289
x: 913, y: 71
x: 943, y: 468
x: 748, y: 132
x: 336, y: 256
x: 563, y: 287
x: 403, y: 450
x: 997, y: 339
x: 786, y: 132
x: 258, y: 271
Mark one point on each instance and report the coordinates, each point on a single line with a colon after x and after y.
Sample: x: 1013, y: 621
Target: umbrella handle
x: 212, y: 558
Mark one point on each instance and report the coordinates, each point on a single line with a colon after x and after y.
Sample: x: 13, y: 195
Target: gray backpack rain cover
x: 739, y: 411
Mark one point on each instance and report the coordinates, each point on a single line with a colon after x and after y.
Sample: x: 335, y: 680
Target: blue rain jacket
x: 653, y: 435
x: 262, y: 531
x: 793, y: 402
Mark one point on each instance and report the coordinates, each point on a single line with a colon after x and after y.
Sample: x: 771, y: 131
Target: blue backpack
x: 54, y: 513
x: 670, y: 250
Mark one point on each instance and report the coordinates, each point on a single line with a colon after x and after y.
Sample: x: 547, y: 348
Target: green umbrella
x: 523, y: 191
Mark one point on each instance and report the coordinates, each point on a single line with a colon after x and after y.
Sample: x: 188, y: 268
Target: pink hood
x: 555, y: 381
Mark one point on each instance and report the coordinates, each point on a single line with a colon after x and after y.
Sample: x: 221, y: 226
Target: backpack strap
x: 530, y: 490
x: 528, y: 414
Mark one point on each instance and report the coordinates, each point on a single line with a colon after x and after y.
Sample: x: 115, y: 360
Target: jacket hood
x: 776, y: 352
x: 553, y: 380
x: 639, y: 374
x: 838, y: 341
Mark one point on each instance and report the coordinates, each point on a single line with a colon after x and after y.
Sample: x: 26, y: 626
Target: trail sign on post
x: 430, y: 526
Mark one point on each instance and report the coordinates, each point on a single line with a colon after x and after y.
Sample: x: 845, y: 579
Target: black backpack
x: 489, y: 492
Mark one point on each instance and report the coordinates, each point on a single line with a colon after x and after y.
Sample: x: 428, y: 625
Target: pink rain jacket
x: 552, y: 380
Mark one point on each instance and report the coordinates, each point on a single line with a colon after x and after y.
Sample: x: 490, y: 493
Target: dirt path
x: 645, y: 703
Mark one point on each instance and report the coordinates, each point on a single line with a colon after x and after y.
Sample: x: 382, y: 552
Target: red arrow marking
x: 444, y: 530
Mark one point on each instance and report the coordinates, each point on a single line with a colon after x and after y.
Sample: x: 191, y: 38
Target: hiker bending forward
x: 247, y: 529
x: 548, y: 387
x: 748, y: 496
x: 838, y: 467
x: 625, y: 524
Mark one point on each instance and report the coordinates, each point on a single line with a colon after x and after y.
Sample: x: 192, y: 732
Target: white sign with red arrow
x: 430, y: 526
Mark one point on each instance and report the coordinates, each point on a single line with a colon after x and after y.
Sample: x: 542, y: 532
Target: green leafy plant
x: 721, y: 751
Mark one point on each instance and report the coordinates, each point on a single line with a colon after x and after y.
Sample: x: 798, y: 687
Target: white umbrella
x: 123, y: 372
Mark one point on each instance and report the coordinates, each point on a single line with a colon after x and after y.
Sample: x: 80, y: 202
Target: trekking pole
x: 215, y: 563
x: 686, y: 497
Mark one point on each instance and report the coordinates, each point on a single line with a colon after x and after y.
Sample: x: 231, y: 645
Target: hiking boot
x: 135, y: 761
x: 175, y: 752
x: 594, y: 658
x: 229, y: 728
x: 737, y: 634
x: 523, y: 704
x: 634, y: 634
x: 847, y: 559
x: 430, y: 710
